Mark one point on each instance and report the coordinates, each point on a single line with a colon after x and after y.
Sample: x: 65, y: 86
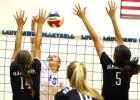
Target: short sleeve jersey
x: 70, y: 93
x: 50, y: 82
x: 114, y: 88
x: 20, y: 87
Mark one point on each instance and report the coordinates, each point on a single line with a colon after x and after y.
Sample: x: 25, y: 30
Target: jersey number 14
x: 26, y: 84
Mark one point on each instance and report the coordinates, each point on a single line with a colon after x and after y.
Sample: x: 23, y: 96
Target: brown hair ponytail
x: 23, y: 60
x: 27, y: 76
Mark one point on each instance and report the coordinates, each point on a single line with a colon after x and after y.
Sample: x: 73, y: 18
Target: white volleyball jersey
x: 50, y: 82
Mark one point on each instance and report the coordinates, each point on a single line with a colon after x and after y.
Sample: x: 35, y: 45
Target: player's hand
x: 111, y: 9
x: 19, y: 17
x: 79, y: 12
x: 41, y: 18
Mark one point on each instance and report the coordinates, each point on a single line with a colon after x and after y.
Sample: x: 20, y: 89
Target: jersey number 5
x: 118, y: 79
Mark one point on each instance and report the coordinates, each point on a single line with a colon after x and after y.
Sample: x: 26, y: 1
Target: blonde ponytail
x: 76, y: 74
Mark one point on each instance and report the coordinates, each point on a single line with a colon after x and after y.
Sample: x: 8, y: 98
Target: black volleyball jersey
x: 69, y: 93
x: 114, y: 87
x: 21, y: 88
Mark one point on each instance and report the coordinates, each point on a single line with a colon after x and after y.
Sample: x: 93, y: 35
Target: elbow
x: 95, y: 38
x: 37, y: 45
x: 17, y: 48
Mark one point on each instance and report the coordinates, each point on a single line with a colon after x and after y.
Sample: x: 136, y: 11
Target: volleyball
x: 55, y: 19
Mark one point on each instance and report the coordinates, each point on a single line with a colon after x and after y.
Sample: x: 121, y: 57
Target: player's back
x: 115, y: 85
x: 70, y: 93
x: 20, y: 87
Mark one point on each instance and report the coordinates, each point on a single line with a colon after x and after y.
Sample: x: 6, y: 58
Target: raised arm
x: 40, y: 19
x: 111, y: 12
x: 33, y: 23
x: 32, y: 39
x: 33, y: 29
x: 19, y: 17
x: 81, y: 14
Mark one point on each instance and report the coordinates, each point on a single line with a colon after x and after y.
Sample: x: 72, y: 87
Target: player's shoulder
x: 104, y: 55
x: 68, y: 93
x: 13, y: 66
x: 105, y: 59
x: 36, y: 60
x: 66, y: 90
x: 36, y: 64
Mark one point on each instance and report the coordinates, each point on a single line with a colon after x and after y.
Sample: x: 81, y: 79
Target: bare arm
x: 32, y: 39
x: 33, y: 29
x: 95, y: 38
x: 38, y: 37
x: 33, y: 23
x: 20, y: 23
x: 111, y: 12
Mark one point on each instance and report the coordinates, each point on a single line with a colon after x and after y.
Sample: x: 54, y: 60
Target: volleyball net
x: 69, y: 48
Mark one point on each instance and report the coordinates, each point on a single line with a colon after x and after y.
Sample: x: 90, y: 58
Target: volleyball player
x: 25, y: 71
x: 116, y: 74
x: 51, y: 79
x: 78, y: 90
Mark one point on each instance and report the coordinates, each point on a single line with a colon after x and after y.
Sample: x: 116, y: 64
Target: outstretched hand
x: 79, y: 12
x: 19, y: 17
x: 41, y: 18
x: 34, y: 20
x: 111, y: 9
